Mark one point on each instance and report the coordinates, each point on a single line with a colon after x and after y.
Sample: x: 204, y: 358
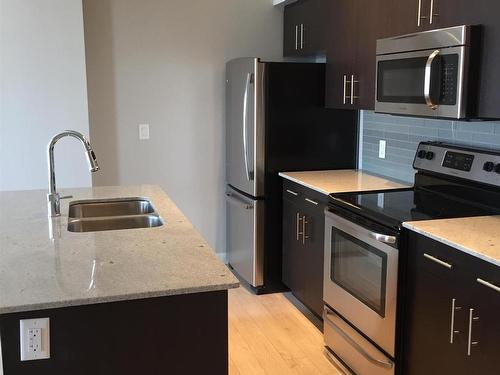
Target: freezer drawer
x: 245, y: 236
x: 353, y: 349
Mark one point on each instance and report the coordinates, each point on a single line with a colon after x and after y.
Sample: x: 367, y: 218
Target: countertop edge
x: 117, y: 298
x: 455, y: 245
x: 300, y: 182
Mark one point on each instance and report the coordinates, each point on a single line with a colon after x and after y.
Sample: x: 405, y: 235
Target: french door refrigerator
x: 275, y: 121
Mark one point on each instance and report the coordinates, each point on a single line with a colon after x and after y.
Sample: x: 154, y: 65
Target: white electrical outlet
x: 143, y: 131
x: 381, y: 149
x: 380, y: 200
x: 35, y: 339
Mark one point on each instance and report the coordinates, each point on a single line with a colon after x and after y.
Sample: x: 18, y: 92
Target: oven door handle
x: 428, y: 79
x: 356, y: 346
x: 383, y: 238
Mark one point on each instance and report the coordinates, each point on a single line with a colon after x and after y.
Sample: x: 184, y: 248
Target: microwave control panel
x: 449, y: 79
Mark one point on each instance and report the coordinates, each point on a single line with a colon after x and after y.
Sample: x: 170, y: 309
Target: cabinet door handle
x: 471, y: 343
x: 292, y: 192
x: 296, y: 37
x: 304, y: 229
x: 311, y: 201
x: 344, y: 100
x: 297, y: 227
x: 301, y: 36
x: 488, y: 284
x: 353, y: 81
x: 454, y: 308
x: 419, y: 14
x: 432, y: 14
x: 438, y: 261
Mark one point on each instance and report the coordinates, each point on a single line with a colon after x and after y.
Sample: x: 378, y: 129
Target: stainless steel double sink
x: 112, y: 214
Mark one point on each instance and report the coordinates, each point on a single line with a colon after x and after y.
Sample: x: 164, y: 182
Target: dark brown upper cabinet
x: 353, y: 29
x: 305, y: 28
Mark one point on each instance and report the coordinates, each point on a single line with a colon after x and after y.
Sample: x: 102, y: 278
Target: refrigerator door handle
x: 245, y: 135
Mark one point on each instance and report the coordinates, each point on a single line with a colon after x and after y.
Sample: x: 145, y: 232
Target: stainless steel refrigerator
x: 275, y: 121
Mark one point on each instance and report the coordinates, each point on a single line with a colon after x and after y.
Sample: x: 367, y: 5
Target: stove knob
x: 489, y: 166
x: 421, y: 154
x: 429, y: 155
x: 497, y: 169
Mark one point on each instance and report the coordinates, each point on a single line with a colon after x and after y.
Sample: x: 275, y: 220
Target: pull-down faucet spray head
x: 53, y: 198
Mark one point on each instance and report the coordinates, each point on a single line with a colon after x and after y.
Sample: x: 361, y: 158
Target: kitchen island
x: 124, y: 301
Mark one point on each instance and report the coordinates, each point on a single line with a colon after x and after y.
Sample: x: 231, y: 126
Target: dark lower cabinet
x: 314, y: 233
x: 485, y: 330
x: 177, y: 335
x: 451, y: 323
x: 293, y: 251
x: 303, y: 244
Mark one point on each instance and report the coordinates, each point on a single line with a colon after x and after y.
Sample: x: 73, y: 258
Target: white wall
x: 42, y: 91
x: 163, y: 63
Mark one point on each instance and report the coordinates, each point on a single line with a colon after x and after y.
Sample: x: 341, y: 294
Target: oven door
x: 360, y: 278
x: 424, y: 83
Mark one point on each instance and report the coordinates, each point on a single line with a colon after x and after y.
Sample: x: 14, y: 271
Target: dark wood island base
x: 182, y: 334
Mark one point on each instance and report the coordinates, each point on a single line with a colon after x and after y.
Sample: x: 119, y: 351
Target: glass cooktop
x: 393, y: 207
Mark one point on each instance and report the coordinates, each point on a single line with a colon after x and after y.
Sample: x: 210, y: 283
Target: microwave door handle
x: 245, y: 130
x: 428, y: 79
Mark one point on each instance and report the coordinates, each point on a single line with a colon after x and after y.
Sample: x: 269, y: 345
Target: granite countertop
x: 341, y: 181
x: 477, y: 236
x: 37, y: 272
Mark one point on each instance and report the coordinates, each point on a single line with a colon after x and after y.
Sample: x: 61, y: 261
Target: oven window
x: 359, y: 269
x: 401, y: 81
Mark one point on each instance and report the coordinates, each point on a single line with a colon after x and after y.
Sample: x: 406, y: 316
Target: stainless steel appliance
x: 431, y: 73
x: 275, y: 121
x: 361, y: 278
x: 363, y: 243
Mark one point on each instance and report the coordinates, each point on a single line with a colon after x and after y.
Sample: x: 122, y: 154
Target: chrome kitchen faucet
x: 53, y: 198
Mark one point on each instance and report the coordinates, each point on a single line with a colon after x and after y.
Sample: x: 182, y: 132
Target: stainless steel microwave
x: 429, y: 74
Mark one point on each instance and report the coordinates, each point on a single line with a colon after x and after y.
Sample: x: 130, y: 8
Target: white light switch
x: 381, y: 149
x: 143, y: 131
x: 35, y: 339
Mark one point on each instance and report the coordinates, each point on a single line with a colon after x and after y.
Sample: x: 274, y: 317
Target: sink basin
x: 115, y: 223
x: 110, y: 207
x: 112, y: 214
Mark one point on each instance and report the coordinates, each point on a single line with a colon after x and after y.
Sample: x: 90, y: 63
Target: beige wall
x: 162, y: 62
x: 42, y: 92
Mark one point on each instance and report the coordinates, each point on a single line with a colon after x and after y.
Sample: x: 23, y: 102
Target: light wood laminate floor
x: 269, y: 335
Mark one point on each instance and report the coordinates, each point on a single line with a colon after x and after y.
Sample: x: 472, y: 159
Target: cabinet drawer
x: 437, y: 258
x: 303, y: 196
x: 441, y: 260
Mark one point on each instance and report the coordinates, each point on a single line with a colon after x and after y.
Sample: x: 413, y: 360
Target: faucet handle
x: 66, y: 197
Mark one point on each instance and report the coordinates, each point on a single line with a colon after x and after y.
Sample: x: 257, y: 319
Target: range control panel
x: 477, y: 165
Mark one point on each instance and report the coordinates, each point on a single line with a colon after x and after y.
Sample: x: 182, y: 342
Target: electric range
x: 363, y: 241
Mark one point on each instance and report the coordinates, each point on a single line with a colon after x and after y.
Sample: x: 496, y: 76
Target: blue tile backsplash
x: 403, y: 134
